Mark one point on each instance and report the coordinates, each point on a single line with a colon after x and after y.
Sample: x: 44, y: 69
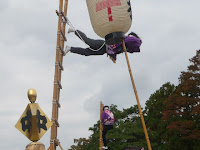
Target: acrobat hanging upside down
x: 98, y: 47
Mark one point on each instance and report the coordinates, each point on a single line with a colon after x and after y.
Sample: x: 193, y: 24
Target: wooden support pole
x: 101, y: 127
x: 136, y: 95
x: 57, y: 75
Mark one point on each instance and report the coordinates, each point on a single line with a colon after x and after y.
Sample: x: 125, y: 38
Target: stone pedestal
x: 35, y: 146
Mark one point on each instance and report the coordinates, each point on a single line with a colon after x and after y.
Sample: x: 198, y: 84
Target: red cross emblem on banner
x: 108, y: 4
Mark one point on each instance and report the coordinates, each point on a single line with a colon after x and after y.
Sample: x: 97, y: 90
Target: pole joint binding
x: 58, y: 83
x: 55, y: 142
x: 51, y: 141
x: 58, y: 47
x: 58, y: 33
x: 57, y: 103
x: 55, y: 121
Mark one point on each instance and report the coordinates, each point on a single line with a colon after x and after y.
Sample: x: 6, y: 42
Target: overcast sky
x: 170, y: 31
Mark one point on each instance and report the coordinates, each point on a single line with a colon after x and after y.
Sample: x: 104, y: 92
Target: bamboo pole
x: 101, y: 127
x: 137, y: 98
x: 57, y: 74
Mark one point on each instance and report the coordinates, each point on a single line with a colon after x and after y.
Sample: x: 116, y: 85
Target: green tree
x: 182, y: 114
x: 80, y: 144
x: 153, y: 115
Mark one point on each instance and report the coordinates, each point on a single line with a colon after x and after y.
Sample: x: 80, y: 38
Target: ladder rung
x: 56, y: 122
x: 65, y: 39
x: 61, y: 66
x: 62, y: 13
x: 57, y: 102
x: 59, y: 48
x: 57, y: 13
x: 64, y: 21
x: 65, y: 18
x: 59, y: 84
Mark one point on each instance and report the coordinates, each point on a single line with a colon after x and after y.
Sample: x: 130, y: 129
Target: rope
x: 70, y: 24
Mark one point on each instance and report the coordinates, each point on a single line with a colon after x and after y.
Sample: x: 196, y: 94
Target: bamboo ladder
x: 57, y: 76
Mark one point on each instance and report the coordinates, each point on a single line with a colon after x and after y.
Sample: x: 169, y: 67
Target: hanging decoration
x: 110, y: 19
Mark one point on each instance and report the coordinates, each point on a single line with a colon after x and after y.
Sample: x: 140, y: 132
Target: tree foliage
x: 154, y: 112
x: 182, y: 113
x: 81, y: 144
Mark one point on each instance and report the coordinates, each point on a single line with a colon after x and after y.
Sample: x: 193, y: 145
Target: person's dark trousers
x: 94, y: 44
x: 87, y: 51
x: 105, y: 130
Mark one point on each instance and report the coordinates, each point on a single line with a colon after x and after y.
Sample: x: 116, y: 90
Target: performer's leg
x: 94, y: 44
x: 110, y: 127
x: 87, y: 51
x: 104, y: 132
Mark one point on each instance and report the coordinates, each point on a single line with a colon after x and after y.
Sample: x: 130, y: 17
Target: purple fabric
x: 132, y: 45
x: 106, y: 119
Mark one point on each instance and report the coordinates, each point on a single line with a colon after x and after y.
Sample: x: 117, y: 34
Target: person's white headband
x: 106, y: 108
